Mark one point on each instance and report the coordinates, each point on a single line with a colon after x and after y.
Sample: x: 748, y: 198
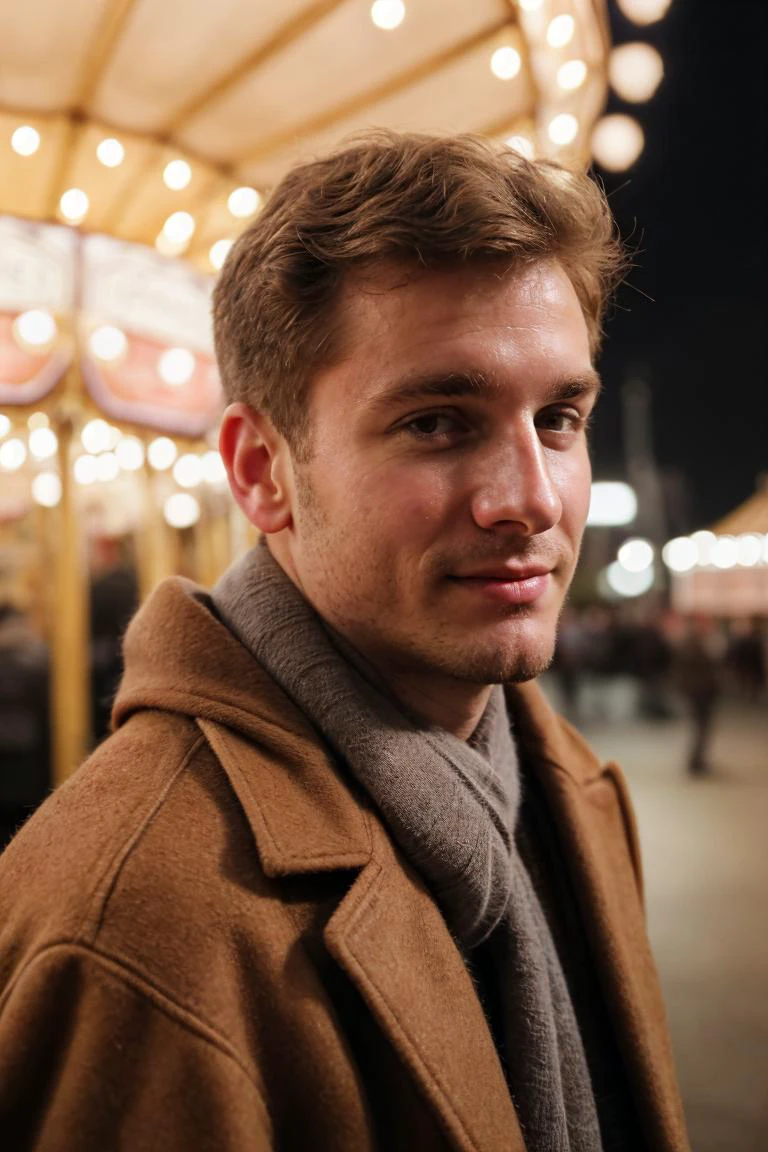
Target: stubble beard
x: 473, y: 664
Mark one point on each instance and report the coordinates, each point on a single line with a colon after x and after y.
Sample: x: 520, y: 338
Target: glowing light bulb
x: 560, y: 31
x: 108, y: 343
x: 110, y: 152
x: 388, y: 14
x: 35, y: 329
x: 626, y: 583
x: 680, y: 554
x: 161, y: 453
x: 505, y: 63
x: 644, y: 11
x: 46, y: 489
x: 74, y: 205
x: 176, y: 366
x: 750, y: 549
x: 96, y: 436
x: 571, y: 75
x: 188, y: 470
x: 179, y: 227
x: 617, y: 141
x: 243, y: 202
x: 563, y: 129
x: 43, y: 443
x: 130, y: 453
x: 635, y: 71
x: 85, y: 469
x: 636, y: 555
x: 181, y: 510
x: 13, y: 453
x: 219, y: 252
x: 177, y: 175
x: 725, y: 552
x: 25, y: 140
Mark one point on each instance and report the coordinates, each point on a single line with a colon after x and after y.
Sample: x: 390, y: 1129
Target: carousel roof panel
x: 751, y: 516
x: 339, y: 64
x: 44, y: 51
x: 174, y: 57
x: 461, y: 96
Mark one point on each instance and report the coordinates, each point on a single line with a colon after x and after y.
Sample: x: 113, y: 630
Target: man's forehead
x: 396, y: 298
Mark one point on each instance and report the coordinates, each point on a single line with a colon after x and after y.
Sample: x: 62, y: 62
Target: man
x: 341, y: 880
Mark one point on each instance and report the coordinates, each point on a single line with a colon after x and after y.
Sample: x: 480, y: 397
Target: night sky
x: 694, y: 207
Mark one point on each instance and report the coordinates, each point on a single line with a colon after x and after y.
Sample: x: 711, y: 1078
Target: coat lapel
x: 591, y: 810
x: 387, y: 933
x: 393, y: 943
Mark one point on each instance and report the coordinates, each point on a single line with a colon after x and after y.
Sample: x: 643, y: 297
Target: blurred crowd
x: 662, y: 664
x: 25, y: 687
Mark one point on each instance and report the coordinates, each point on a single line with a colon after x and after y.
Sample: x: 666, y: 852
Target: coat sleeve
x: 92, y: 1056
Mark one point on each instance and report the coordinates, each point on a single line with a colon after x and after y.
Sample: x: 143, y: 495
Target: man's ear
x: 259, y: 469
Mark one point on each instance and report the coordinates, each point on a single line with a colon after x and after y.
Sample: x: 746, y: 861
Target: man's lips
x: 507, y: 584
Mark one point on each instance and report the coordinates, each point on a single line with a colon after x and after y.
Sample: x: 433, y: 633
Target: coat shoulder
x: 146, y: 858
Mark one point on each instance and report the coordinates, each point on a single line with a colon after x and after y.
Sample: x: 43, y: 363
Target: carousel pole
x: 70, y: 628
x: 156, y: 553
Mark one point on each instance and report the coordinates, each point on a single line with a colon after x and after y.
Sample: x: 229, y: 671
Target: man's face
x: 440, y: 513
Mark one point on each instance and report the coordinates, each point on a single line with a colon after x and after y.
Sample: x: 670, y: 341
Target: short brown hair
x: 426, y: 200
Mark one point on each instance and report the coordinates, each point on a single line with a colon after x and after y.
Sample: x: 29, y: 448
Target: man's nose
x: 515, y: 492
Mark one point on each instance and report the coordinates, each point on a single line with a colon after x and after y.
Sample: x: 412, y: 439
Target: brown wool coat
x: 208, y: 941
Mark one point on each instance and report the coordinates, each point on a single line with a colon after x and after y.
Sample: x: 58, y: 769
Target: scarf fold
x: 451, y: 806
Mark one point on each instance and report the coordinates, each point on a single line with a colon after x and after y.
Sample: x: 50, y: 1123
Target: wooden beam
x: 100, y: 51
x: 70, y: 633
x: 67, y: 146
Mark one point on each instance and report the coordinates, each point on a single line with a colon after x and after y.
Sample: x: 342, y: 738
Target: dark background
x: 693, y: 207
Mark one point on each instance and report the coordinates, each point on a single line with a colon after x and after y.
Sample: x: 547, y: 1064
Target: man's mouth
x: 507, y: 584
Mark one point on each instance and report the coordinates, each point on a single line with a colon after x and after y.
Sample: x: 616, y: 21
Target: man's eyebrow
x: 572, y: 387
x: 426, y: 385
x: 480, y: 386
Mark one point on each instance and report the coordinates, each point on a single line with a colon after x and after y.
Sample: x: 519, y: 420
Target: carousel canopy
x: 165, y: 121
x: 751, y: 516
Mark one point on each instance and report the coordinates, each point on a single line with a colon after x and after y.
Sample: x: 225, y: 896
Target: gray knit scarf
x: 451, y: 806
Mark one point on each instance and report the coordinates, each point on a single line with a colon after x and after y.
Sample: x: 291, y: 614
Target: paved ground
x: 705, y: 849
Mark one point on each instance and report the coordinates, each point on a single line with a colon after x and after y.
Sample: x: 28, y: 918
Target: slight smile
x: 507, y: 585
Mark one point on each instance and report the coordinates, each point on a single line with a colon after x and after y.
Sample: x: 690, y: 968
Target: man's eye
x: 432, y: 424
x: 562, y: 420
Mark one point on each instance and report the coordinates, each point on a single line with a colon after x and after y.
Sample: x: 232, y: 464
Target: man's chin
x: 503, y: 665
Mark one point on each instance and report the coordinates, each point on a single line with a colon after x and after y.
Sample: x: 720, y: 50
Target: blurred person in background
x: 341, y: 880
x: 697, y: 673
x: 745, y: 658
x: 650, y: 662
x: 114, y: 597
x: 24, y: 720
